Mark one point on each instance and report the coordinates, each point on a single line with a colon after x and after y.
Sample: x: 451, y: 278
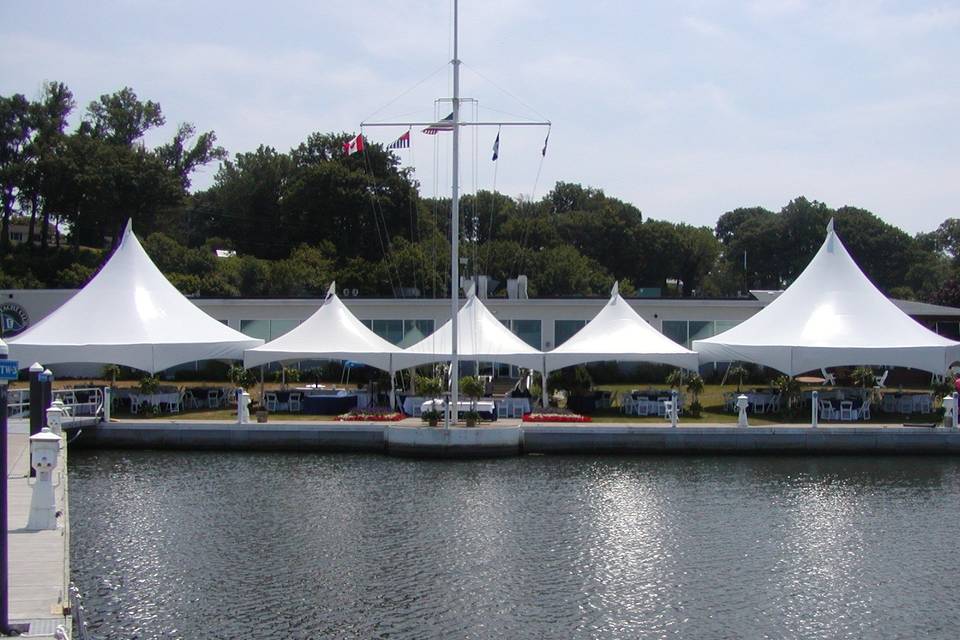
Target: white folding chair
x: 294, y: 401
x: 923, y: 404
x: 270, y: 400
x: 503, y: 411
x: 864, y: 411
x: 828, y: 378
x: 662, y: 406
x: 881, y: 381
x: 827, y: 412
x: 136, y: 403
x: 846, y: 410
x: 213, y: 399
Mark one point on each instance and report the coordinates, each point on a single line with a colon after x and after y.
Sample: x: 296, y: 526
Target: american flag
x: 403, y: 142
x: 444, y: 125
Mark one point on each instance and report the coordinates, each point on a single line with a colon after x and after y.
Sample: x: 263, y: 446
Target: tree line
x: 300, y: 218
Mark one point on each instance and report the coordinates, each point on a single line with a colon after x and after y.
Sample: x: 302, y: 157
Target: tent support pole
x: 261, y: 384
x: 543, y: 385
x: 393, y: 390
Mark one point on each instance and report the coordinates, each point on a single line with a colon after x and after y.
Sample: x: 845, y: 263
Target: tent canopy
x: 480, y: 336
x: 617, y: 332
x: 333, y: 333
x: 129, y: 314
x: 832, y: 315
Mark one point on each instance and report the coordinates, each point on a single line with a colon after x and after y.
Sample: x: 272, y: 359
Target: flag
x: 403, y: 142
x: 496, y: 147
x: 443, y: 125
x: 545, y: 141
x: 353, y: 146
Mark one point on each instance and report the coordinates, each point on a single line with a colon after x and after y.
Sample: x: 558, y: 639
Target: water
x: 205, y: 545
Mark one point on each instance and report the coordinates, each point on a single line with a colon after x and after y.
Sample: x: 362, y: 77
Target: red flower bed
x: 371, y: 415
x: 555, y: 417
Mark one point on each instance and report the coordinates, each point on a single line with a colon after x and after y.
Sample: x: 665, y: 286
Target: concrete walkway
x: 39, y: 560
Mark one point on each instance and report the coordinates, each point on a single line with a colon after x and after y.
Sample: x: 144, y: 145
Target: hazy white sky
x: 686, y: 108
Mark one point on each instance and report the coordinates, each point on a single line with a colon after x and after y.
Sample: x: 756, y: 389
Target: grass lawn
x: 713, y: 411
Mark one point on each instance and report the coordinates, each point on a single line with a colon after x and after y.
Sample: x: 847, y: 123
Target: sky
x: 684, y: 108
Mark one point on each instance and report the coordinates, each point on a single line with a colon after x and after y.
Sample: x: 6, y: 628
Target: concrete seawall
x: 413, y: 439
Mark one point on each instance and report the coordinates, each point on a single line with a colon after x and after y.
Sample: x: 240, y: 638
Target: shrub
x: 241, y: 377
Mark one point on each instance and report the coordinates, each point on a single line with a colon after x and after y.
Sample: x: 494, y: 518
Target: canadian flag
x: 353, y: 146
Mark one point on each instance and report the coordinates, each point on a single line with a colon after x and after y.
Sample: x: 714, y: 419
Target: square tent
x: 129, y: 314
x: 618, y: 332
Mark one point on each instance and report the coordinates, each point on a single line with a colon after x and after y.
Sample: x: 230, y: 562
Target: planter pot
x: 262, y: 416
x: 471, y: 422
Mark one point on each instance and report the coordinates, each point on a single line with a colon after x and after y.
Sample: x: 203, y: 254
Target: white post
x: 545, y: 396
x: 455, y: 232
x: 44, y: 449
x: 814, y: 409
x: 55, y: 419
x: 742, y: 403
x: 107, y: 402
x: 949, y: 411
x: 674, y: 410
x: 955, y: 412
x: 243, y: 406
x: 393, y: 385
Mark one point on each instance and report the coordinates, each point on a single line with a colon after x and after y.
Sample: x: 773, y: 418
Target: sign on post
x: 9, y: 369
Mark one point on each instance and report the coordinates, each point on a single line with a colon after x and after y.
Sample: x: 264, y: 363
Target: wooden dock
x: 39, y: 560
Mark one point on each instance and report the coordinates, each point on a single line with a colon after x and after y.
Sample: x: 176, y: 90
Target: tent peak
x: 128, y: 228
x: 830, y: 226
x: 332, y: 290
x: 616, y: 289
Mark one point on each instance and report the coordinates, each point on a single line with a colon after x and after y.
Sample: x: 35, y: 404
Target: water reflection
x: 178, y: 545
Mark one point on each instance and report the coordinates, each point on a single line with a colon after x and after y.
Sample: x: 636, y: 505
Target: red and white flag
x: 353, y: 146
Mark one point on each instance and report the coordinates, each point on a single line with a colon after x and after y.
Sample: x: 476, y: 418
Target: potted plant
x: 695, y: 388
x: 429, y: 387
x: 740, y: 372
x: 260, y: 411
x: 431, y: 417
x: 149, y: 385
x: 473, y: 388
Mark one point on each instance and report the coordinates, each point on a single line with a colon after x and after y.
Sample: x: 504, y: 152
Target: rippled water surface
x: 205, y: 545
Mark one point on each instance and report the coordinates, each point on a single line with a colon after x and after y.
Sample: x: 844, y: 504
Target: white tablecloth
x: 411, y: 403
x: 481, y: 406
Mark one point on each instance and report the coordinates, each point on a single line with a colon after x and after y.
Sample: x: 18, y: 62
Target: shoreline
x: 513, y: 438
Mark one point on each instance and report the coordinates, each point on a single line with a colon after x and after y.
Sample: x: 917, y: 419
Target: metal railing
x: 18, y: 401
x: 80, y: 631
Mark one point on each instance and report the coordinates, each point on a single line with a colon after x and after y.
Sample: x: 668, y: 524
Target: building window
x: 563, y: 330
x: 256, y: 329
x: 686, y: 331
x: 16, y: 236
x: 676, y: 330
x: 266, y: 330
x: 402, y: 333
x: 949, y: 329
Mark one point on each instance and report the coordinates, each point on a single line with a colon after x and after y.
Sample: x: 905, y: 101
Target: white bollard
x: 243, y: 406
x: 107, y: 399
x: 956, y: 409
x: 674, y: 408
x: 814, y: 408
x: 949, y: 410
x: 44, y: 450
x: 55, y: 418
x: 742, y: 403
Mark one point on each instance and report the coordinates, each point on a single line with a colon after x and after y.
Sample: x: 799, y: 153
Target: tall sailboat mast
x: 455, y: 206
x: 455, y: 231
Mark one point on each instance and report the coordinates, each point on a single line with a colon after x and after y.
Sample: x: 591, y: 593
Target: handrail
x: 79, y: 614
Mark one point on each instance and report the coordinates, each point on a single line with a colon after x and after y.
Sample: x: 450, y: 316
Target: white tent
x: 617, y: 332
x: 129, y: 314
x: 832, y: 315
x: 480, y: 336
x: 332, y: 332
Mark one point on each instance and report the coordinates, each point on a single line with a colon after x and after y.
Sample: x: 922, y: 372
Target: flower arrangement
x: 372, y: 414
x: 555, y: 415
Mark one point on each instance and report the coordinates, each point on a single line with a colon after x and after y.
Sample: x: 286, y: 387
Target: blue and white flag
x: 496, y: 147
